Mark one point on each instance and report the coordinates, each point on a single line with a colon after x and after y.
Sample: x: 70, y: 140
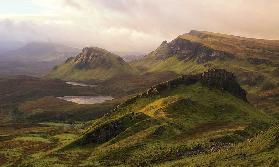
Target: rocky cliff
x: 185, y: 49
x: 93, y: 57
x: 213, y: 78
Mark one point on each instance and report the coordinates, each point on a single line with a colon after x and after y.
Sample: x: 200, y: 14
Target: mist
x: 133, y: 25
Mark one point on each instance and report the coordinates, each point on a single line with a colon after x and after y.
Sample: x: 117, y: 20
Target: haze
x: 132, y: 25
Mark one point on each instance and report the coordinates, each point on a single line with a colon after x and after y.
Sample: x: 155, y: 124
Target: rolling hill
x: 255, y: 62
x: 182, y: 121
x: 92, y: 64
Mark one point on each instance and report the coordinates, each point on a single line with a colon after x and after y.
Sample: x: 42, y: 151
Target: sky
x: 136, y: 26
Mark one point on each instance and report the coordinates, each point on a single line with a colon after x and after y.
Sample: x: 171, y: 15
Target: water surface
x: 86, y: 99
x: 80, y: 84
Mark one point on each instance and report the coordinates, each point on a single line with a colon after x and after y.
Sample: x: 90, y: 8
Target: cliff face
x: 214, y: 78
x: 189, y: 50
x: 224, y: 81
x: 92, y: 58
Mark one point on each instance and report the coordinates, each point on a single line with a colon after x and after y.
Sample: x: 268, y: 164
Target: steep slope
x: 92, y: 64
x: 254, y: 61
x: 182, y: 118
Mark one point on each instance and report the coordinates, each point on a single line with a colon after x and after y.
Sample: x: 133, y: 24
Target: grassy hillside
x: 261, y: 150
x: 183, y: 121
x: 34, y: 100
x: 254, y: 61
x: 239, y: 46
x: 92, y: 64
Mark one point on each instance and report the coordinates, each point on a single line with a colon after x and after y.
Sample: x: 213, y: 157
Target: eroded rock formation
x: 213, y: 78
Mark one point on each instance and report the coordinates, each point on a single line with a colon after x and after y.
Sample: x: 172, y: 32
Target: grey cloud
x: 141, y: 25
x: 19, y: 31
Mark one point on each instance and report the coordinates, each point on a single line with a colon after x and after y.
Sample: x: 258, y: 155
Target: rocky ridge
x: 93, y: 57
x: 189, y: 50
x: 213, y: 78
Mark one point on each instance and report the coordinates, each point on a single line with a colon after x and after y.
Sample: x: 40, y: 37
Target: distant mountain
x: 92, y: 64
x: 255, y: 62
x: 40, y: 52
x: 208, y: 49
x: 6, y: 46
x: 35, y: 58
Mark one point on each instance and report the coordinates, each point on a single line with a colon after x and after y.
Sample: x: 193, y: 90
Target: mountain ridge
x: 213, y: 78
x: 255, y: 62
x: 35, y: 58
x: 40, y: 52
x: 92, y: 63
x: 160, y: 124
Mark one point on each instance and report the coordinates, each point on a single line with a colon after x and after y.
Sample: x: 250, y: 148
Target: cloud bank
x: 133, y: 25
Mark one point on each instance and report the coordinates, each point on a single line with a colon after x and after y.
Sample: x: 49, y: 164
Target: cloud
x: 73, y: 3
x: 139, y: 25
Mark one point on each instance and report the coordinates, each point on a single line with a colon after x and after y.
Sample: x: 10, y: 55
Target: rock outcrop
x: 257, y: 61
x: 93, y: 57
x: 110, y: 129
x: 213, y: 78
x: 92, y: 64
x: 224, y: 81
x: 189, y: 50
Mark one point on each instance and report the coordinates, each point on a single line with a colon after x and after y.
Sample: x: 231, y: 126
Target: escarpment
x: 214, y: 78
x: 184, y: 49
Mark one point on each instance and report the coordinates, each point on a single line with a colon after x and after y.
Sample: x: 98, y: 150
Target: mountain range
x: 255, y: 62
x: 202, y: 99
x: 35, y: 58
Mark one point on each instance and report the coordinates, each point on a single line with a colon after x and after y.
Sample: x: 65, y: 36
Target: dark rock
x: 109, y: 130
x: 276, y: 72
x: 214, y: 78
x: 104, y: 133
x: 257, y: 61
x: 187, y: 50
x: 93, y: 57
x: 223, y: 80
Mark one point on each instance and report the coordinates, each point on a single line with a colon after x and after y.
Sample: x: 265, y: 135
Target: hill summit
x: 92, y: 63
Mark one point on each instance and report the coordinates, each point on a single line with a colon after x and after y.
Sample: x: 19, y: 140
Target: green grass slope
x: 177, y: 122
x: 261, y: 150
x: 253, y: 61
x: 92, y: 64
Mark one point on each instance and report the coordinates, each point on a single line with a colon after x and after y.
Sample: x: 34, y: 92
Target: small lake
x: 80, y: 84
x: 86, y: 99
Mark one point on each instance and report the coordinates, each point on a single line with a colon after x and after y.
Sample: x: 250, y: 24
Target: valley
x: 203, y: 99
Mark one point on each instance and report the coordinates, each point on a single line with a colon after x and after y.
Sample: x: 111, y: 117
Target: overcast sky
x: 133, y: 25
